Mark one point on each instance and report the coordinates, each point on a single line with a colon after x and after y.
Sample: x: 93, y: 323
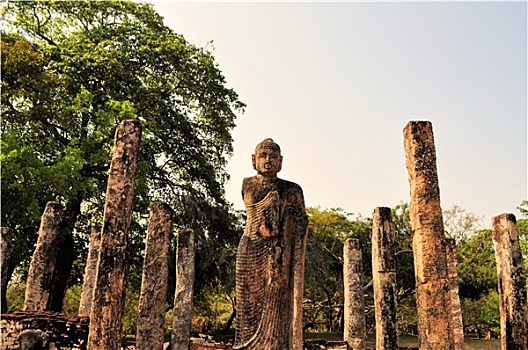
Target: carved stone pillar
x: 430, y: 263
x: 456, y: 308
x: 153, y: 297
x: 108, y: 302
x: 355, y: 332
x: 5, y: 255
x: 90, y: 271
x: 38, y: 285
x: 181, y: 326
x: 384, y: 279
x: 512, y: 283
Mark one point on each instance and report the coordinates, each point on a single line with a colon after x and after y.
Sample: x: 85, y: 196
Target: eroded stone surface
x: 153, y: 297
x: 270, y: 257
x: 90, y: 272
x: 24, y: 329
x: 458, y: 326
x: 384, y: 279
x: 512, y: 283
x: 430, y: 263
x: 38, y: 286
x: 181, y: 325
x: 355, y: 330
x: 108, y: 302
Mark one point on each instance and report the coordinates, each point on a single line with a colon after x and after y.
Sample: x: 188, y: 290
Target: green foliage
x: 328, y: 230
x: 482, y: 316
x: 72, y: 300
x: 70, y: 72
x: 16, y: 293
x: 523, y: 208
x: 131, y: 312
x: 407, y: 315
x: 477, y: 267
x: 405, y: 282
x: 213, y: 311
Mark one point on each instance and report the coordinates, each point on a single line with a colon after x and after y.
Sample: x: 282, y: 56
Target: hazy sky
x: 335, y: 84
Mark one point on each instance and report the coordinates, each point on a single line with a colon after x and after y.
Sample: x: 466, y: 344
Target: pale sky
x: 334, y: 84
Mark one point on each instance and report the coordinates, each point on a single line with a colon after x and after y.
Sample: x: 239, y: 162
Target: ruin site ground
x: 317, y: 340
x: 409, y: 341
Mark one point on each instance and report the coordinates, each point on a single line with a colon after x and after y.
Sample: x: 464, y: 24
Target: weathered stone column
x: 456, y: 308
x: 108, y: 302
x: 512, y: 283
x: 298, y: 290
x: 44, y: 257
x: 433, y: 301
x: 384, y: 279
x: 355, y: 332
x: 181, y: 326
x: 153, y: 297
x: 90, y: 272
x: 5, y: 255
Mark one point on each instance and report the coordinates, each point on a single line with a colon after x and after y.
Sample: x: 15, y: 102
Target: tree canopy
x: 70, y: 72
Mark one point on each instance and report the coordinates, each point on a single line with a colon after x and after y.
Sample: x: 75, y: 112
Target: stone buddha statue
x: 270, y: 257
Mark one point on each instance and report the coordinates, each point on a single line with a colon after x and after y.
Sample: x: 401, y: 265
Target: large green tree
x: 328, y: 230
x: 476, y: 265
x: 71, y: 70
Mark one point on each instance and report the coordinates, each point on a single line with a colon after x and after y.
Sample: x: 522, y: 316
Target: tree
x: 71, y: 72
x: 482, y: 316
x: 405, y: 282
x: 476, y: 265
x: 328, y: 230
x: 459, y: 224
x: 523, y: 209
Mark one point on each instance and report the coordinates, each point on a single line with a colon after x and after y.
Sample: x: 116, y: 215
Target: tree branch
x: 39, y: 27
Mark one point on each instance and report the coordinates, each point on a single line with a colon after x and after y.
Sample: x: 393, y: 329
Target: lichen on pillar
x: 384, y: 279
x: 435, y: 330
x: 90, y: 271
x: 355, y: 329
x: 38, y: 286
x: 183, y: 296
x: 106, y: 316
x: 153, y: 296
x: 512, y: 283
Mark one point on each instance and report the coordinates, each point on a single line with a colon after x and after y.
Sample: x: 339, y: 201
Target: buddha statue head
x: 267, y: 160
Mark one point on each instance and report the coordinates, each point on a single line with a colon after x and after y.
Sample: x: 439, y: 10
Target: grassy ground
x: 470, y: 343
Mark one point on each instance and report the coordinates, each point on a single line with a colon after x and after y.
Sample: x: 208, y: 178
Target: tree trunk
x: 66, y: 254
x: 13, y: 264
x: 6, y: 246
x: 229, y: 321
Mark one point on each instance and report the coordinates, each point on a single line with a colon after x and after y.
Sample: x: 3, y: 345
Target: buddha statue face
x: 267, y: 160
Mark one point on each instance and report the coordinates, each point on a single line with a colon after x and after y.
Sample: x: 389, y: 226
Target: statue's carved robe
x: 270, y: 266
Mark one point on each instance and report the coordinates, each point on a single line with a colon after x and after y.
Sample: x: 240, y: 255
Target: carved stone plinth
x: 433, y: 300
x: 512, y: 283
x: 40, y: 274
x: 90, y: 271
x: 355, y: 330
x: 153, y: 297
x: 458, y: 326
x: 384, y: 279
x: 181, y: 325
x: 108, y: 302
